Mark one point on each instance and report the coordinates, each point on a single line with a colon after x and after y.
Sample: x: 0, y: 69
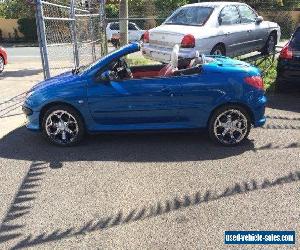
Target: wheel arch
x: 220, y: 44
x: 52, y: 104
x: 239, y: 104
x: 276, y: 35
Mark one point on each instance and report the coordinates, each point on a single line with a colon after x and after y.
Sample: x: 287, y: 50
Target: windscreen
x: 195, y: 16
x: 295, y: 42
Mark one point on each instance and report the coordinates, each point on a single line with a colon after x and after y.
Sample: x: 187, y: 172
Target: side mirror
x: 259, y: 19
x: 220, y: 18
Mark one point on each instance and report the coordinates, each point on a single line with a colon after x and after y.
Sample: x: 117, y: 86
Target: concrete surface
x: 144, y: 191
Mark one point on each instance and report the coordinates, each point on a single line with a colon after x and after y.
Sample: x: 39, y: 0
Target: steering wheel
x: 120, y: 67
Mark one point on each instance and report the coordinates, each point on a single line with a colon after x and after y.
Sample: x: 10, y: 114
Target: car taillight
x: 286, y: 52
x: 188, y: 41
x: 146, y: 37
x: 255, y: 81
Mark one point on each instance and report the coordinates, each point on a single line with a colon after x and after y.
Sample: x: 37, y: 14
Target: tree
x: 16, y: 9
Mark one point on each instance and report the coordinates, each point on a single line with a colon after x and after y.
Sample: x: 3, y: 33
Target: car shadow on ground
x: 22, y: 144
x: 289, y: 101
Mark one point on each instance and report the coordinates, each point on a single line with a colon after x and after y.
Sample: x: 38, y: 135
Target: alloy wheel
x: 62, y: 127
x: 230, y: 127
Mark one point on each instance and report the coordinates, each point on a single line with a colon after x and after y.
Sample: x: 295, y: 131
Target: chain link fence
x: 147, y: 14
x: 71, y: 34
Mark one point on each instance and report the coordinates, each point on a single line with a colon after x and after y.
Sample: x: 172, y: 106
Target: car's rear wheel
x: 1, y: 64
x: 229, y: 125
x: 218, y: 50
x: 63, y: 126
x: 270, y: 45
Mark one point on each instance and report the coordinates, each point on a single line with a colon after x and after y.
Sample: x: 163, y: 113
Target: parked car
x: 3, y: 59
x: 288, y: 67
x: 134, y: 32
x: 221, y: 94
x: 222, y: 28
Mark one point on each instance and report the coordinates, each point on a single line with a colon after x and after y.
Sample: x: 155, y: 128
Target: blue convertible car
x: 225, y: 96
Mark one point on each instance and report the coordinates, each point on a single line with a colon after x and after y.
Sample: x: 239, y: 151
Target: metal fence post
x: 104, y: 48
x: 92, y: 32
x: 42, y: 38
x: 74, y: 33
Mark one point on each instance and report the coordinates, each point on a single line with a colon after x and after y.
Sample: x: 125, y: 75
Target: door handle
x: 249, y: 31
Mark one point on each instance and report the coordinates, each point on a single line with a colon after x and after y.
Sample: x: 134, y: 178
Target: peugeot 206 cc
x: 224, y: 95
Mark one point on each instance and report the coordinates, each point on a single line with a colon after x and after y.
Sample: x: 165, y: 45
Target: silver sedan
x: 225, y: 28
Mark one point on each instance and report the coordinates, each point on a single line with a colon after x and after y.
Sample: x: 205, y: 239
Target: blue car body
x: 175, y: 102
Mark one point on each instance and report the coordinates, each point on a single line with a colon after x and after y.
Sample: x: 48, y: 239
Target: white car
x: 224, y: 28
x: 134, y: 32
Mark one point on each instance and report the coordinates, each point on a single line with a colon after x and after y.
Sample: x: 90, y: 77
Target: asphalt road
x: 144, y: 191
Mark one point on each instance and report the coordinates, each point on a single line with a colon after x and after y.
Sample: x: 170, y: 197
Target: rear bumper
x: 288, y: 71
x: 4, y: 55
x: 163, y: 54
x: 258, y: 110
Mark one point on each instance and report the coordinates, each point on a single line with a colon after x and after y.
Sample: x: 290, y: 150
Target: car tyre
x: 63, y: 126
x: 218, y: 50
x: 229, y: 125
x: 1, y: 64
x: 270, y: 45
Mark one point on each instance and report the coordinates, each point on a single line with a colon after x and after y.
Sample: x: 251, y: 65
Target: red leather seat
x: 167, y: 70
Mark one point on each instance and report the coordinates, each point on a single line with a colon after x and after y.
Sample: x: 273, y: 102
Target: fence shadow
x: 160, y: 208
x: 21, y: 204
x: 143, y: 147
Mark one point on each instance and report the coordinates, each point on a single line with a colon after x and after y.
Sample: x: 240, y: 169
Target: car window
x: 114, y: 26
x: 247, y: 14
x: 131, y: 26
x: 295, y: 42
x: 195, y: 16
x: 229, y: 15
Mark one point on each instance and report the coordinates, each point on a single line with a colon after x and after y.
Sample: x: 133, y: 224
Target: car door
x: 256, y: 32
x: 231, y: 31
x: 145, y: 103
x: 199, y: 95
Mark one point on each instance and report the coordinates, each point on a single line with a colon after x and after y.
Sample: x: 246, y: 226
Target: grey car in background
x: 226, y: 28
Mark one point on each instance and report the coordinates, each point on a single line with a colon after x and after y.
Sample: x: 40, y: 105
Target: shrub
x: 27, y: 27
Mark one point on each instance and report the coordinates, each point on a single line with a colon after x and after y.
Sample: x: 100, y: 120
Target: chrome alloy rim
x: 271, y: 44
x: 62, y: 127
x: 1, y: 64
x: 230, y: 127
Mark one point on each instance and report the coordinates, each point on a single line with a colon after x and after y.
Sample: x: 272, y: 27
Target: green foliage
x: 27, y: 27
x: 112, y: 10
x: 16, y: 9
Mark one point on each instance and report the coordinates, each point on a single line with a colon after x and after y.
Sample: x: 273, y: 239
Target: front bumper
x: 163, y: 54
x: 32, y: 119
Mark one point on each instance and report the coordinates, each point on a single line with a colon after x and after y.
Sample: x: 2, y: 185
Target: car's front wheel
x: 1, y: 64
x: 229, y: 125
x: 270, y: 45
x: 63, y: 126
x: 218, y: 50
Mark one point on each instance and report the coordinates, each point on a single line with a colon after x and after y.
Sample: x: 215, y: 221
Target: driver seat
x: 170, y: 68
